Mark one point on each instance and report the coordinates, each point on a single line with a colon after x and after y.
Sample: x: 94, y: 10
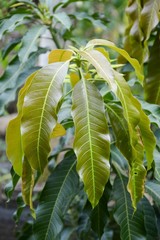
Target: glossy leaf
x: 131, y: 224
x: 59, y: 191
x: 150, y: 220
x: 125, y: 54
x: 13, y: 133
x: 153, y: 189
x: 28, y: 184
x: 152, y: 80
x: 91, y: 143
x: 39, y: 113
x: 29, y: 42
x: 59, y: 55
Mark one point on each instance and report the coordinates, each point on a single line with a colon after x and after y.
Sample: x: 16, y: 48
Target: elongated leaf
x: 29, y: 42
x: 59, y: 55
x: 138, y: 122
x: 152, y: 81
x: 8, y: 25
x: 9, y: 47
x: 39, y: 113
x: 150, y: 220
x: 153, y: 189
x: 149, y: 16
x: 120, y: 127
x: 9, y: 188
x: 91, y: 143
x: 132, y: 225
x: 28, y: 184
x: 111, y: 45
x: 157, y: 165
x: 60, y: 189
x: 13, y: 133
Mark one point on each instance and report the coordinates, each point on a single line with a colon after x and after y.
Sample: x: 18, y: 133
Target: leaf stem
x: 54, y: 37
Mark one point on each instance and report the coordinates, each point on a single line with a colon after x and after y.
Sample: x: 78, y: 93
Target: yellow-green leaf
x: 59, y: 55
x: 74, y: 78
x: 39, y: 113
x: 111, y: 45
x: 92, y: 141
x: 13, y: 133
x: 58, y: 131
x: 28, y: 184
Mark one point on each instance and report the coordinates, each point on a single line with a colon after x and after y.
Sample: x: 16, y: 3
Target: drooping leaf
x: 39, y: 113
x: 150, y: 220
x: 28, y: 184
x: 125, y: 54
x: 149, y: 16
x: 120, y: 127
x: 9, y: 188
x: 131, y: 224
x: 59, y: 55
x: 153, y: 189
x: 60, y: 189
x: 8, y: 25
x: 29, y: 42
x: 13, y: 133
x: 64, y: 19
x: 99, y: 214
x: 58, y: 131
x: 91, y: 143
x: 153, y: 75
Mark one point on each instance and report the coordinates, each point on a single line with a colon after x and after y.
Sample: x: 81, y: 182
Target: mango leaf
x: 74, y: 78
x: 29, y: 42
x: 153, y: 189
x: 59, y: 55
x: 58, y: 131
x: 157, y: 165
x: 111, y: 45
x: 100, y: 213
x: 91, y: 143
x: 64, y: 19
x: 9, y: 188
x: 8, y: 25
x: 9, y: 47
x: 28, y: 184
x: 153, y: 74
x: 13, y: 133
x: 149, y: 16
x: 39, y: 113
x: 59, y: 191
x: 131, y: 224
x: 150, y: 220
x: 120, y: 128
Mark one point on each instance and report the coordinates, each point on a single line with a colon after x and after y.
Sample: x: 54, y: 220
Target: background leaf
x: 91, y: 143
x: 153, y: 189
x: 60, y: 189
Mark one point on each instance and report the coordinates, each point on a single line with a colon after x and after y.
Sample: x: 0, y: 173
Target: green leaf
x: 59, y: 191
x: 157, y: 165
x: 9, y: 188
x: 99, y: 214
x: 131, y: 224
x: 63, y: 18
x: 28, y: 184
x: 149, y: 16
x: 153, y: 189
x: 39, y: 113
x: 153, y: 74
x: 59, y: 55
x: 8, y: 25
x: 9, y: 47
x: 29, y: 42
x: 150, y: 220
x: 111, y: 45
x: 13, y: 133
x: 91, y: 143
x: 120, y: 128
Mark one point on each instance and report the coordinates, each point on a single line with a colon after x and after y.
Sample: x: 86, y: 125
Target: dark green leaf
x: 60, y: 189
x: 9, y: 188
x: 153, y: 189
